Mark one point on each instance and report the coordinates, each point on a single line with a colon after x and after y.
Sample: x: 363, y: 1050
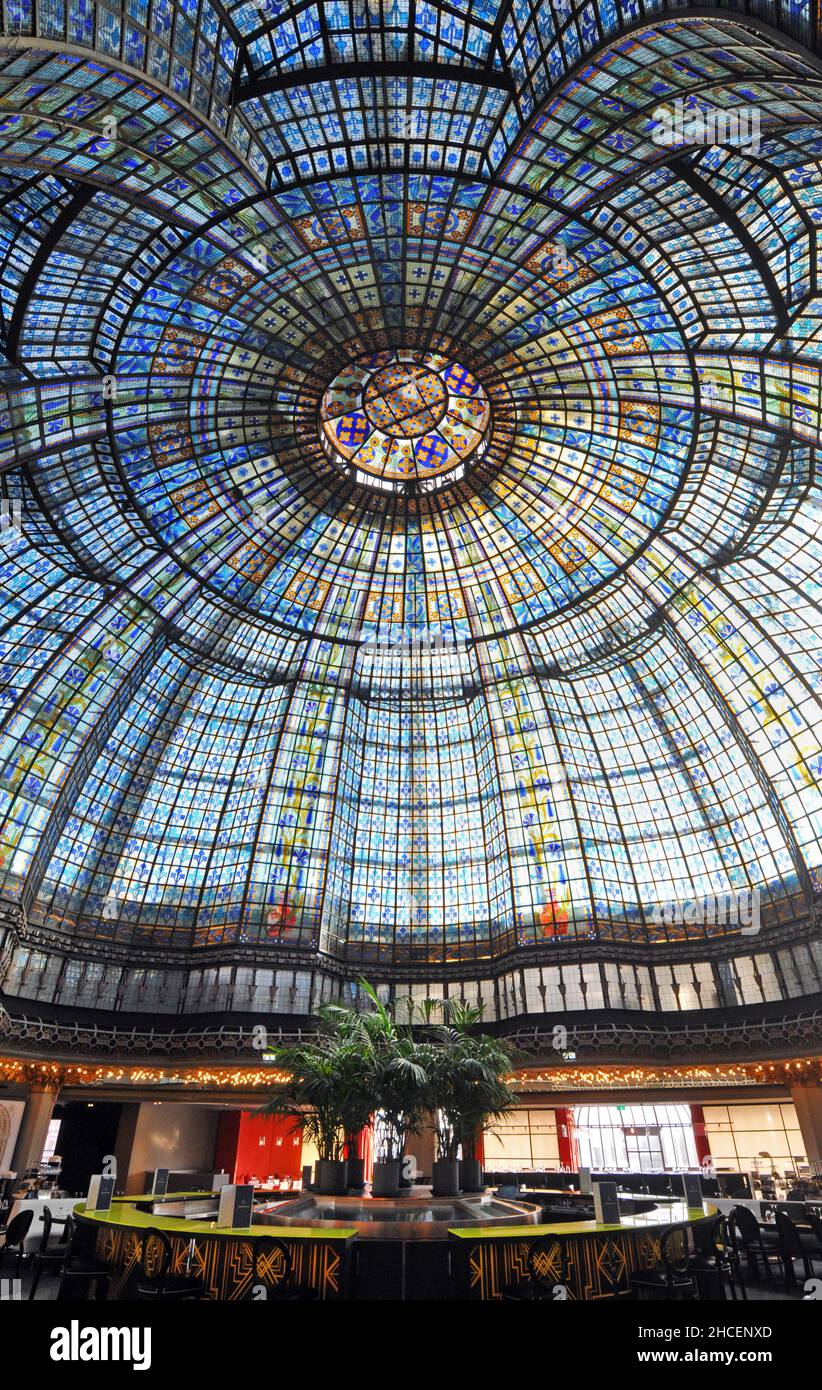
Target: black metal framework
x: 264, y: 84
x: 361, y: 274
x: 688, y: 171
x: 78, y: 199
x: 772, y: 1033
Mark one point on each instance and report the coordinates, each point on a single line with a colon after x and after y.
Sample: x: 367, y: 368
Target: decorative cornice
x: 39, y: 1075
x: 802, y: 1071
x: 530, y: 1083
x: 756, y: 1034
x: 22, y: 1036
x: 770, y: 1031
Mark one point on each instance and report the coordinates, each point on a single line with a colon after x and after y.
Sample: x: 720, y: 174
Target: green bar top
x: 197, y: 1196
x: 127, y: 1214
x: 166, y: 1197
x: 649, y: 1220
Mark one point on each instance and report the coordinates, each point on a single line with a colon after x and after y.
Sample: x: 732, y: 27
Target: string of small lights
x: 804, y: 1070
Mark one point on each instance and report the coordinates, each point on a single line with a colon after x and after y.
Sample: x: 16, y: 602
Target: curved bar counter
x: 222, y: 1255
x: 478, y: 1261
x: 601, y: 1258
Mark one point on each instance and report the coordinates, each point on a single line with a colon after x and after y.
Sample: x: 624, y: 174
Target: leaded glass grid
x: 250, y: 698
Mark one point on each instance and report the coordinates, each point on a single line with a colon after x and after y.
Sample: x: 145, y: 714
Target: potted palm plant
x: 390, y: 1079
x: 467, y: 1089
x: 354, y: 1164
x: 356, y: 1102
x: 361, y: 1063
x: 443, y: 1100
x: 402, y: 1083
x: 486, y: 1098
x: 485, y: 1102
x: 314, y: 1099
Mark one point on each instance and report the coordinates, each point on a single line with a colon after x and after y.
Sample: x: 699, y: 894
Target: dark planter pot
x: 330, y: 1177
x: 471, y: 1175
x: 446, y: 1178
x: 356, y: 1174
x: 385, y: 1180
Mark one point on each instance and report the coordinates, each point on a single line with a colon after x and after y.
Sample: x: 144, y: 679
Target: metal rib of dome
x: 255, y: 689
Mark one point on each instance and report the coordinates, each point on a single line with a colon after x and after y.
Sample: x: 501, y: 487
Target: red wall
x: 254, y: 1146
x: 703, y: 1148
x: 566, y: 1137
x: 365, y: 1149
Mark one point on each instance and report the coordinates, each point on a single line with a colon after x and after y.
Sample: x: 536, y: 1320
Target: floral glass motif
x: 394, y: 417
x: 245, y: 699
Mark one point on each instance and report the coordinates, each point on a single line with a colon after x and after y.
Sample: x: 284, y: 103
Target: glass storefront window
x: 635, y: 1138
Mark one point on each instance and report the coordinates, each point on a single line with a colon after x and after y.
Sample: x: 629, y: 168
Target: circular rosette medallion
x: 400, y: 417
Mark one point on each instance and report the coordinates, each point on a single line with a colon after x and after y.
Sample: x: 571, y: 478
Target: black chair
x: 7, y: 1186
x: 82, y: 1275
x: 271, y: 1261
x: 545, y: 1275
x: 47, y: 1256
x: 758, y: 1242
x: 716, y: 1260
x: 15, y: 1239
x: 815, y: 1223
x: 671, y: 1278
x: 155, y: 1280
x: 795, y: 1246
x: 61, y: 1256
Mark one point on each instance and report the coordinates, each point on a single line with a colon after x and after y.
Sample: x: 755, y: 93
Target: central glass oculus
x: 398, y: 417
x: 405, y: 400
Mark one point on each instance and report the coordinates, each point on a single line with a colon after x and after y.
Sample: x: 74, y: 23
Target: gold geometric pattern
x: 597, y: 1266
x: 224, y: 1263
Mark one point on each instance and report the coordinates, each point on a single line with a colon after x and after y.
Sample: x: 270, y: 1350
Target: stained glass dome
x: 398, y: 417
x: 410, y: 544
